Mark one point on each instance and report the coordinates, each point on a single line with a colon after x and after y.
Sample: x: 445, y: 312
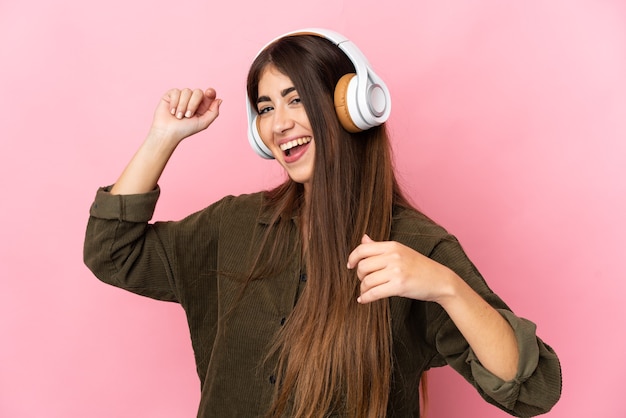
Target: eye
x: 295, y: 100
x: 265, y: 109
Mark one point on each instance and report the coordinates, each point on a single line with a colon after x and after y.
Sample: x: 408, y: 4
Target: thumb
x: 211, y: 113
x: 366, y: 239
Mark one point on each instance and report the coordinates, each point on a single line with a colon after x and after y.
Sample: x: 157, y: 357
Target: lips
x: 287, y: 146
x: 294, y: 149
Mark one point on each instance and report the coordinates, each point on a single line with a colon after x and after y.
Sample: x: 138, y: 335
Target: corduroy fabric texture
x: 202, y: 261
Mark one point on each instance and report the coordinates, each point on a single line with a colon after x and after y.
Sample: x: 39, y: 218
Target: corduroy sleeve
x: 122, y: 249
x: 537, y: 384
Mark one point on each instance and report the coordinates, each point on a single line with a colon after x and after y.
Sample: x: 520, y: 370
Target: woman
x: 329, y: 295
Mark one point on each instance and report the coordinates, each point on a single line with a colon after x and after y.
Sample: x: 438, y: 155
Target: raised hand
x: 179, y: 114
x: 182, y: 113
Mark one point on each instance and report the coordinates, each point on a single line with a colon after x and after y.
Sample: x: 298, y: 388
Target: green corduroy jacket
x: 184, y: 262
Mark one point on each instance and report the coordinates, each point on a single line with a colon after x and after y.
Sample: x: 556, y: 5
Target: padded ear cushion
x: 257, y: 133
x: 255, y: 140
x: 341, y: 103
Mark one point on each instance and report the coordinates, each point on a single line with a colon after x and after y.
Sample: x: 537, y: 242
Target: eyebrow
x: 283, y: 93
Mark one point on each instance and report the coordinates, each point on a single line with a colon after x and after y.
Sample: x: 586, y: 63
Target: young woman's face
x: 284, y: 126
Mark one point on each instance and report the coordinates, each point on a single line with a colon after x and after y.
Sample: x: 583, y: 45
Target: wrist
x: 452, y: 287
x: 160, y: 143
x: 162, y: 138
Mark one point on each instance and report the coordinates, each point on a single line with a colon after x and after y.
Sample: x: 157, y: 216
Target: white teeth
x: 294, y: 143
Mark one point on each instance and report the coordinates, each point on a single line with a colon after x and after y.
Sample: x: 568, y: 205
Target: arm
x: 120, y: 247
x: 392, y: 269
x: 491, y: 337
x: 179, y: 114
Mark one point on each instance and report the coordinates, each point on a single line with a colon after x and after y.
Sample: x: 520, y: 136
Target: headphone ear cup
x: 342, y: 103
x: 255, y: 140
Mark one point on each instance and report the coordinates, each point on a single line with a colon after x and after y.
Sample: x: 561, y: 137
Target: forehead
x: 273, y: 79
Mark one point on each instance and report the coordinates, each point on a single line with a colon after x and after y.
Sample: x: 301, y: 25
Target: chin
x: 300, y: 180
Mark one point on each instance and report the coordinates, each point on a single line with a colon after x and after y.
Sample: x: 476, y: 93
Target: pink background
x: 509, y: 124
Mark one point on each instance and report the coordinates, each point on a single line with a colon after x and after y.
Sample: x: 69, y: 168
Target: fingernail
x: 188, y: 114
x: 179, y: 115
x: 173, y: 111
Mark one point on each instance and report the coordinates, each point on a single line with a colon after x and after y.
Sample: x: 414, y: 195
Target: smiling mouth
x: 287, y: 147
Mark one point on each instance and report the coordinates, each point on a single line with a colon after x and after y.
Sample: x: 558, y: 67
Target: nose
x: 282, y: 120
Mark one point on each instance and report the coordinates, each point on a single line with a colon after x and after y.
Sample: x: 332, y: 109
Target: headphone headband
x: 362, y: 100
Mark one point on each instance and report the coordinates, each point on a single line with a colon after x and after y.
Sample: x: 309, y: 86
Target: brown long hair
x: 334, y: 355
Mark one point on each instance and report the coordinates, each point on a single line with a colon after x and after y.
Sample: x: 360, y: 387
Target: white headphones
x: 362, y: 100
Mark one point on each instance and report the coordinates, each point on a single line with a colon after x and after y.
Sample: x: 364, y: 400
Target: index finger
x: 367, y: 248
x: 172, y: 97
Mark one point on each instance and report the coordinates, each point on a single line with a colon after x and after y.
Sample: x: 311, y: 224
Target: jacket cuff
x: 128, y: 208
